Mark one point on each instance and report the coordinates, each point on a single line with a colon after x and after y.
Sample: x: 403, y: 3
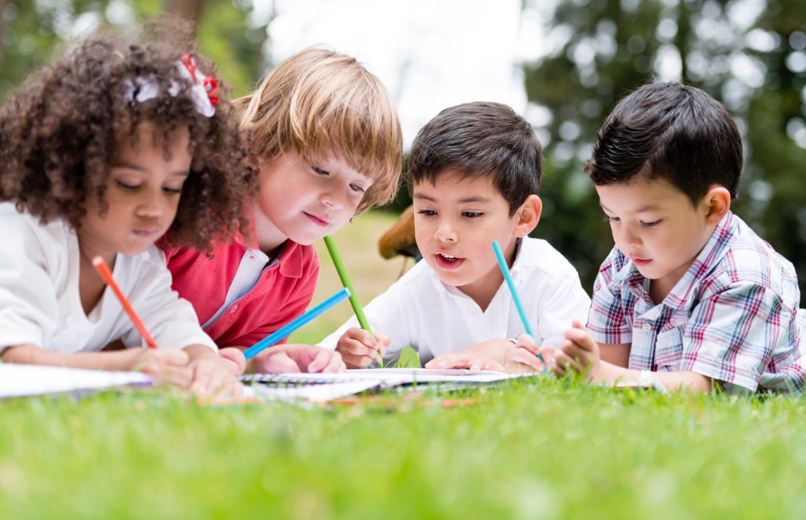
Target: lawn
x: 526, y: 449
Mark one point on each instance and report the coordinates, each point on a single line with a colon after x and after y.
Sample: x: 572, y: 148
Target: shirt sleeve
x: 731, y: 335
x: 607, y: 321
x: 28, y: 300
x: 170, y: 319
x: 386, y: 315
x: 567, y: 302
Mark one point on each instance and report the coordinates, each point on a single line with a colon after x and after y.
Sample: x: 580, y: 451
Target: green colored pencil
x: 345, y: 281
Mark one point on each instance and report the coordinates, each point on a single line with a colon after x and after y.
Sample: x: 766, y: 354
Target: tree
x: 30, y: 30
x: 749, y: 54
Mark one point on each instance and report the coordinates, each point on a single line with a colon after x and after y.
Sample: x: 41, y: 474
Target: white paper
x: 25, y: 380
x: 325, y: 387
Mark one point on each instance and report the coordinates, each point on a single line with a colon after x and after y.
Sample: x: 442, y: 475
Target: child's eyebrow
x: 650, y: 207
x: 130, y: 166
x: 473, y: 199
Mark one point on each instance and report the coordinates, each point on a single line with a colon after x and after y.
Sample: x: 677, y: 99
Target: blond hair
x: 319, y: 101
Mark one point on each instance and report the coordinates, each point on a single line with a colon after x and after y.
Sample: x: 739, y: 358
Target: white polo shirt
x: 434, y: 318
x: 40, y: 303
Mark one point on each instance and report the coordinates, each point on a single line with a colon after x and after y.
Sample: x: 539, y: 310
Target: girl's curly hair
x: 59, y: 131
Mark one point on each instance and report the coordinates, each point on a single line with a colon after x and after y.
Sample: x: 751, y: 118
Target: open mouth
x: 446, y: 261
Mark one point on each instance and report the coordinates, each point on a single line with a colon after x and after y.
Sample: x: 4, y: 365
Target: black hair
x: 672, y: 131
x: 480, y: 139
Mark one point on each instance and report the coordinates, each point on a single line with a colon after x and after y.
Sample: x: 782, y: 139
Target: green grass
x: 540, y: 449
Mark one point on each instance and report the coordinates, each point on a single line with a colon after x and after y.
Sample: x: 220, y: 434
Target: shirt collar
x: 290, y: 257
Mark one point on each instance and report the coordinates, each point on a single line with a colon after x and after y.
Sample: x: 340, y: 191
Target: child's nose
x: 152, y: 205
x: 332, y: 200
x: 445, y: 232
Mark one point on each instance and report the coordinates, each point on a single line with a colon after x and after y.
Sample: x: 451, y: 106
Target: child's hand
x: 524, y: 358
x: 236, y: 357
x: 298, y: 358
x: 578, y: 353
x: 212, y: 374
x: 487, y: 355
x: 164, y: 366
x: 358, y: 347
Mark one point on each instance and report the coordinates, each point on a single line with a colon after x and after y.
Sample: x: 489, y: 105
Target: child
x: 690, y: 296
x: 329, y: 144
x: 474, y: 173
x: 96, y: 151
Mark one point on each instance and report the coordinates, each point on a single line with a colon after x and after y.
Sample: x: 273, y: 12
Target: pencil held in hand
x: 502, y: 263
x: 106, y: 274
x: 345, y: 282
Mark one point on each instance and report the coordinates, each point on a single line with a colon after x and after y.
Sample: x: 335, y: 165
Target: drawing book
x: 26, y: 380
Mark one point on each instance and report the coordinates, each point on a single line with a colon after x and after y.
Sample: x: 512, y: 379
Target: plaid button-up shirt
x: 733, y: 316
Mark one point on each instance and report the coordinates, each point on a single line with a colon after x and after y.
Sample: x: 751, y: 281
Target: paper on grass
x: 311, y: 392
x: 325, y: 387
x: 388, y: 376
x: 26, y: 380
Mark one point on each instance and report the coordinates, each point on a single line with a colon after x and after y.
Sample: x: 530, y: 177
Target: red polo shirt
x: 283, y: 291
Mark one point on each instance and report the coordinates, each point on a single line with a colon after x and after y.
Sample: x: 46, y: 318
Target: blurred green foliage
x: 749, y: 54
x: 32, y: 29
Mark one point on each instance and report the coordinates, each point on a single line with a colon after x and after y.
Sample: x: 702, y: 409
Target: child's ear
x: 528, y: 215
x: 717, y: 202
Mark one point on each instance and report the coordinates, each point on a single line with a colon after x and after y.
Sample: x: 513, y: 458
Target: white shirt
x: 434, y: 318
x: 40, y: 303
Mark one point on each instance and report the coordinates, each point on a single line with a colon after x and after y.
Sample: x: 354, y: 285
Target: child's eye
x: 427, y: 212
x: 128, y: 187
x: 356, y: 188
x: 651, y: 224
x: 608, y: 218
x: 320, y: 171
x: 472, y: 214
x: 172, y: 191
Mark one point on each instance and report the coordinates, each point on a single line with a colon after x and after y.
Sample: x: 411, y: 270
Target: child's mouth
x: 448, y: 262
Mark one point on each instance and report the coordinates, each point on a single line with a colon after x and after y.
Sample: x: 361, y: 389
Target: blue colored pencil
x: 502, y: 263
x: 293, y: 325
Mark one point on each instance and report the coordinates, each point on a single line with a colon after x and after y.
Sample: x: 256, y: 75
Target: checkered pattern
x: 733, y: 316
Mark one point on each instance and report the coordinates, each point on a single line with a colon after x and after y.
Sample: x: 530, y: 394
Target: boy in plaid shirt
x: 690, y: 296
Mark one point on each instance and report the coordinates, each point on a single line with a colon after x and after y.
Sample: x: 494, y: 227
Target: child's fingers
x: 320, y: 360
x: 486, y: 363
x: 522, y: 360
x: 383, y: 343
x: 281, y: 363
x: 178, y: 376
x: 334, y: 364
x: 577, y: 357
x: 526, y: 341
x: 236, y: 358
x: 452, y: 360
x: 176, y: 358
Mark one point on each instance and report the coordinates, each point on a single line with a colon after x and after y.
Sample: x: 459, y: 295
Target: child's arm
x: 163, y: 365
x: 579, y: 353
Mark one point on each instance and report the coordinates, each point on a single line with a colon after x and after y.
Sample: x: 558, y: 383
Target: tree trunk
x: 190, y: 10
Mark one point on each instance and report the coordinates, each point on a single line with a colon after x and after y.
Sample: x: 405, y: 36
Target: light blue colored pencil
x: 502, y: 263
x: 293, y: 325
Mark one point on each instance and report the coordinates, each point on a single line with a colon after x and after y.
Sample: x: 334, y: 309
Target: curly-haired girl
x: 104, y: 151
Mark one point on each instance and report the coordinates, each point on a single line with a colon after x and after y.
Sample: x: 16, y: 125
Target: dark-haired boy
x: 690, y: 296
x: 474, y: 173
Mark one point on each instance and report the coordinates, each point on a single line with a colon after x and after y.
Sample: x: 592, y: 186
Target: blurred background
x: 561, y: 63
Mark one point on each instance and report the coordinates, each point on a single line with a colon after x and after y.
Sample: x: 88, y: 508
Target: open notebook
x: 324, y: 387
x: 26, y: 380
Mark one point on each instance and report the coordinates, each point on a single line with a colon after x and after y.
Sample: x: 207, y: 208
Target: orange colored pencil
x: 106, y: 273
